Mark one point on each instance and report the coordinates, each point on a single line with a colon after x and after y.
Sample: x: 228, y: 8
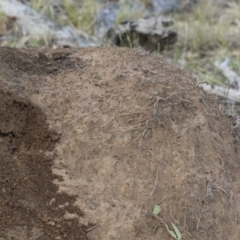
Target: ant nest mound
x: 133, y: 133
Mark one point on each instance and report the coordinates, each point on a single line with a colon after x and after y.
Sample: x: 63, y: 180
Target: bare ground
x: 110, y: 133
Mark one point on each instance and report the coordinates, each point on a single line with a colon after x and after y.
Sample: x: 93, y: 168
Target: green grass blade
x: 171, y: 232
x: 156, y: 210
x: 177, y: 232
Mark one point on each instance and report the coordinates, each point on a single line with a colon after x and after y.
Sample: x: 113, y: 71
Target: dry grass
x: 207, y: 33
x: 79, y: 14
x: 129, y: 11
x: 206, y: 27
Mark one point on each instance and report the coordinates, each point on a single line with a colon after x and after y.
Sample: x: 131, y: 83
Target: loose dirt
x: 30, y: 206
x: 91, y: 140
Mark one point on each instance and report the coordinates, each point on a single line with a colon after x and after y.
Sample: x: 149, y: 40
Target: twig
x: 187, y: 232
x: 91, y: 228
x: 156, y: 180
x: 157, y: 217
x: 218, y: 187
x: 198, y: 219
x: 155, y: 229
x: 184, y: 99
x: 137, y: 233
x: 142, y: 137
x: 221, y: 160
x: 123, y: 115
x: 173, y: 216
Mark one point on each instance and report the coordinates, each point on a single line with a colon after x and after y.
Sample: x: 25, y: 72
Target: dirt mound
x: 37, y: 62
x: 135, y: 133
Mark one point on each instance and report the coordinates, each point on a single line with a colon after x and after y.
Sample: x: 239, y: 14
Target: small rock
x: 51, y: 223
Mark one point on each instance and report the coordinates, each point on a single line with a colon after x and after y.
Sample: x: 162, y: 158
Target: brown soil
x: 112, y: 132
x: 30, y: 206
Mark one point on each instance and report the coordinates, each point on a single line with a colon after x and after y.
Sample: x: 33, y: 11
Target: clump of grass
x: 128, y: 12
x: 81, y: 15
x: 3, y: 20
x: 234, y: 63
x: 43, y: 7
x: 130, y: 39
x: 202, y: 28
x: 3, y: 17
x: 205, y: 34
